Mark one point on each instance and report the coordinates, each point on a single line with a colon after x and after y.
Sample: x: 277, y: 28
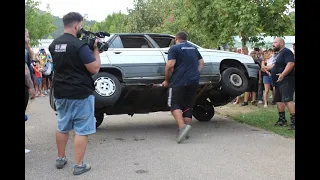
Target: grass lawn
x: 257, y: 116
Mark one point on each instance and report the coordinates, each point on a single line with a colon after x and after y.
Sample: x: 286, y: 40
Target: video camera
x: 102, y: 46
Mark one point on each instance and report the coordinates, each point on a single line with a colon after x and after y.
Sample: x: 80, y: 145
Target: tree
x: 219, y: 20
x: 114, y: 23
x: 176, y: 19
x: 292, y: 29
x: 209, y: 23
x: 147, y: 14
x: 38, y: 23
x: 273, y: 17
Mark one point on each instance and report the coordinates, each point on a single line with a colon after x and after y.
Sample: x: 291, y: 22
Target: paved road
x: 143, y: 147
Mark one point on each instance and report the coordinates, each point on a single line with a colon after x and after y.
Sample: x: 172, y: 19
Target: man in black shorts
x: 283, y: 76
x: 182, y: 75
x: 253, y: 85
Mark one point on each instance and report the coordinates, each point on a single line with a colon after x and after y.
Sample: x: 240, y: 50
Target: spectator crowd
x: 261, y: 90
x: 42, y: 67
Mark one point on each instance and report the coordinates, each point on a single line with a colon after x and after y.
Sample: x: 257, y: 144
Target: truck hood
x: 224, y: 54
x: 229, y: 55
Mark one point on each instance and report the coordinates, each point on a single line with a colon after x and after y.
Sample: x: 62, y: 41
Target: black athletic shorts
x: 253, y: 85
x: 182, y: 98
x: 47, y: 76
x: 285, y: 90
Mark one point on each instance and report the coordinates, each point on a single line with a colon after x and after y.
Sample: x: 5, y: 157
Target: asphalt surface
x: 143, y: 147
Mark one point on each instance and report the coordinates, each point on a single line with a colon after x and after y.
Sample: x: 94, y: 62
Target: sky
x: 97, y: 10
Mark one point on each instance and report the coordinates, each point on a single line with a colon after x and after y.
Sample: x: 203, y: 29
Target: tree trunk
x: 243, y: 41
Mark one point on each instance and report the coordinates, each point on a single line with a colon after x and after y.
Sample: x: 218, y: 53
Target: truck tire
x: 203, y: 111
x: 107, y: 89
x: 51, y: 100
x: 234, y: 81
x: 99, y: 118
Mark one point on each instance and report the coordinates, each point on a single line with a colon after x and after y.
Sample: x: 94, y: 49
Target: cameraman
x: 73, y: 88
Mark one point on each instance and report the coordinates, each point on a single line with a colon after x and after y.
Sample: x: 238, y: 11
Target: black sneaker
x: 61, y: 162
x: 254, y: 103
x: 77, y: 170
x: 281, y: 123
x: 244, y: 104
x: 292, y: 127
x: 273, y: 103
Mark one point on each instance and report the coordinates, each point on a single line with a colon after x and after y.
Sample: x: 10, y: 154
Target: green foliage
x: 58, y: 23
x: 257, y: 41
x: 87, y: 24
x: 224, y: 19
x: 114, y: 23
x: 178, y: 19
x: 39, y: 23
x: 147, y: 15
x: 247, y: 19
x: 272, y: 17
x: 209, y: 23
x: 292, y: 29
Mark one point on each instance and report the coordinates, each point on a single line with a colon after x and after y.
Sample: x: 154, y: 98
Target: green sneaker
x: 187, y: 137
x: 183, y: 132
x: 60, y: 162
x: 77, y: 170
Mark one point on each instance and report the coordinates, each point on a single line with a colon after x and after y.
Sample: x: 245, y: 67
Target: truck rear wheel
x: 203, y: 111
x: 107, y: 89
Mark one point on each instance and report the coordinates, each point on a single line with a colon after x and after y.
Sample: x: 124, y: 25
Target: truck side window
x: 116, y: 43
x: 135, y: 42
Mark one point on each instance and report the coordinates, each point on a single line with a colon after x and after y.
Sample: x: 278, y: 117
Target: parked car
x: 132, y: 70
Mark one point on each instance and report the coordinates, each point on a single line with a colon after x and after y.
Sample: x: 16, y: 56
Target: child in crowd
x: 38, y: 76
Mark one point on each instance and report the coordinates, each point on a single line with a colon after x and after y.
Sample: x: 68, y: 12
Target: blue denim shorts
x: 267, y: 80
x: 39, y: 81
x: 77, y: 115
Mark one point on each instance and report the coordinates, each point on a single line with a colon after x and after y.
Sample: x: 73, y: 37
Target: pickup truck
x: 132, y: 70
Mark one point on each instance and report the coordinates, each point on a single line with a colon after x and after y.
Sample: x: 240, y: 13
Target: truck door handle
x: 117, y: 52
x: 166, y: 52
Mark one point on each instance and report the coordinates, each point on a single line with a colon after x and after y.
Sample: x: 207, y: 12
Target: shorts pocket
x: 83, y: 109
x: 59, y: 103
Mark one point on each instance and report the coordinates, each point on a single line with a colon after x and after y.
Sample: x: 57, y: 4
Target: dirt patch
x: 232, y: 109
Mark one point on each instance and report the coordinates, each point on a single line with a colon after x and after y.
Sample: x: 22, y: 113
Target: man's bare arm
x: 94, y: 67
x: 259, y: 74
x: 201, y: 64
x: 269, y: 67
x: 30, y: 51
x: 288, y: 69
x: 263, y: 66
x: 169, y: 69
x: 28, y: 76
